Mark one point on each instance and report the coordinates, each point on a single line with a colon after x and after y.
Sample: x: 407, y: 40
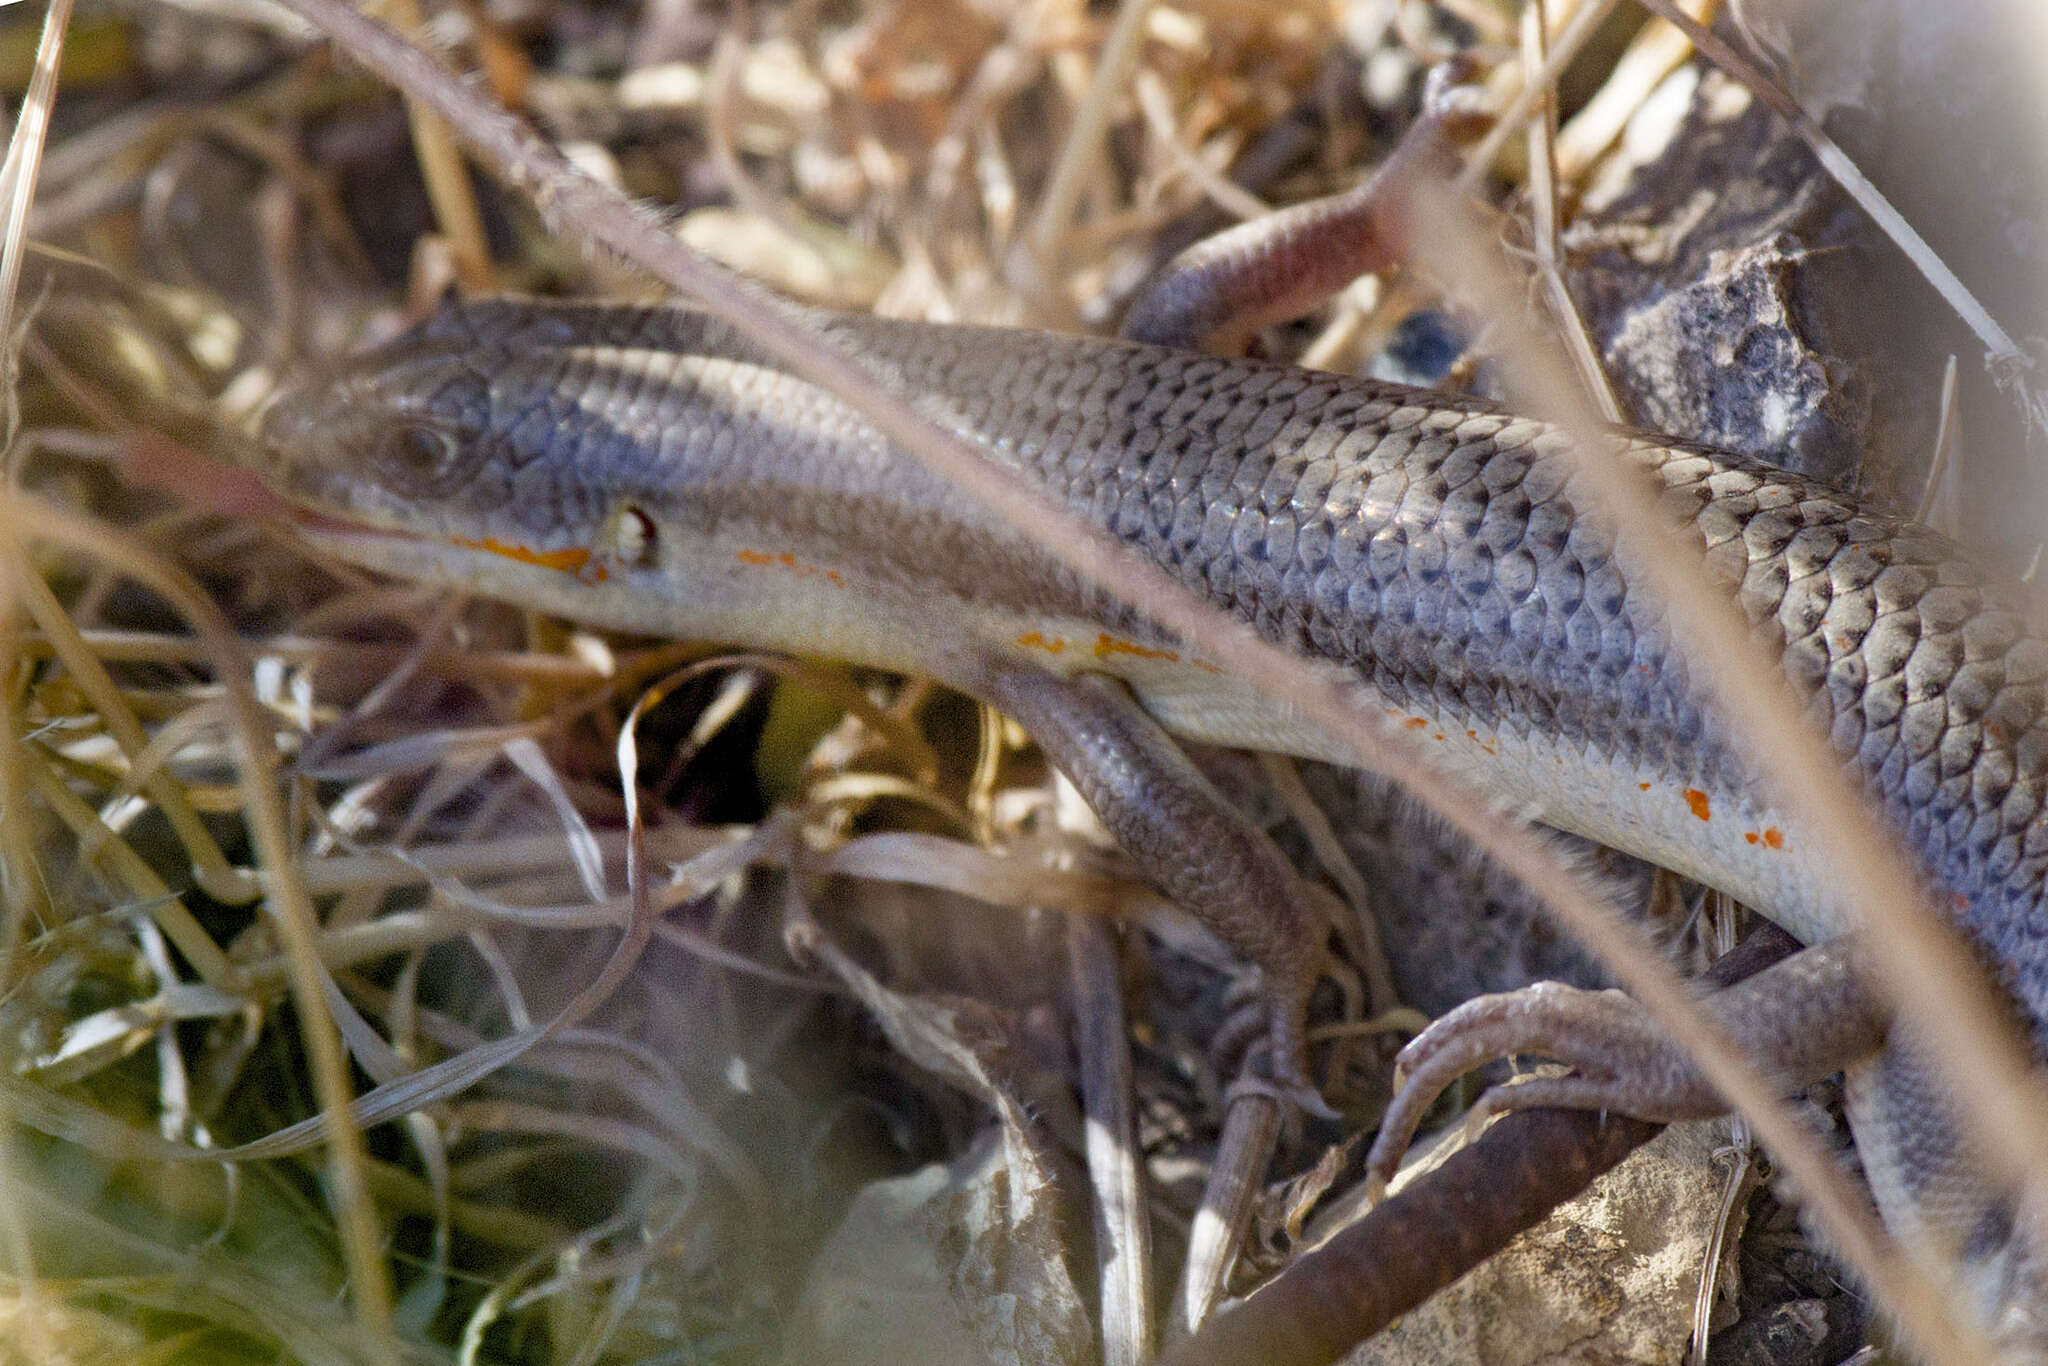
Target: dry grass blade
x: 211, y: 866
x: 1536, y: 86
x: 125, y: 869
x: 447, y: 179
x: 1082, y: 149
x: 1654, y: 54
x: 18, y: 176
x: 1115, y: 1167
x: 1244, y: 1149
x: 1225, y: 195
x: 1543, y: 223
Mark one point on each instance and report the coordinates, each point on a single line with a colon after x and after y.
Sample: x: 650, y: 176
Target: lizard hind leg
x: 1799, y: 1020
x: 1186, y: 838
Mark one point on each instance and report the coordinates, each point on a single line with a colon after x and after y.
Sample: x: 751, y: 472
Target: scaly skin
x: 647, y: 470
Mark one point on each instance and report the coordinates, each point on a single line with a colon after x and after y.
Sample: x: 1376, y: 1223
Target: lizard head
x: 470, y: 451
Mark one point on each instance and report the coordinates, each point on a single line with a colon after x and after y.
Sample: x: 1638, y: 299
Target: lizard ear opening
x: 634, y: 540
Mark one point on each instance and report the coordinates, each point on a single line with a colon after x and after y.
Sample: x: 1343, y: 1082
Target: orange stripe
x: 569, y: 561
x: 1107, y: 645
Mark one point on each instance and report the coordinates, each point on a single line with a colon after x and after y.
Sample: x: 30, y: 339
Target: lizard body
x: 647, y: 470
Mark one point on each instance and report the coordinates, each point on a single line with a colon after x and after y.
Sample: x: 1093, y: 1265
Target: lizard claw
x: 1286, y: 1014
x: 1272, y: 1026
x: 1621, y: 1059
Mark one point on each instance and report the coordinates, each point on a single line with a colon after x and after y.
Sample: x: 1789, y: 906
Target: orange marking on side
x: 782, y: 559
x: 1774, y: 838
x: 1416, y: 722
x: 1482, y: 744
x: 1644, y: 786
x: 567, y: 561
x: 1107, y: 645
x: 1751, y: 835
x: 1697, y: 800
x: 1038, y: 640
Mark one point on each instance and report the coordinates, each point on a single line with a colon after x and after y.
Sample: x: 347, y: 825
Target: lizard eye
x: 419, y: 458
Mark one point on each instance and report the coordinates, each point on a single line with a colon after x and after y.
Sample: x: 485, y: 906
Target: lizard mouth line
x: 574, y: 560
x: 326, y: 524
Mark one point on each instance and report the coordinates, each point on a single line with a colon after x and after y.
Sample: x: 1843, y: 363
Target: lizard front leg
x: 1187, y: 839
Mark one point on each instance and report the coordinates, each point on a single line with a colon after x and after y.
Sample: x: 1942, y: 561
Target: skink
x: 647, y: 470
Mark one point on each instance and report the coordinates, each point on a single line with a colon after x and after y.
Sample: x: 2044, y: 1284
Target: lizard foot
x: 1797, y: 1020
x: 1622, y: 1060
x: 1269, y: 1022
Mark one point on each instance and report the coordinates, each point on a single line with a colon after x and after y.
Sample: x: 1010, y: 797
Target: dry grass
x: 543, y: 1065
